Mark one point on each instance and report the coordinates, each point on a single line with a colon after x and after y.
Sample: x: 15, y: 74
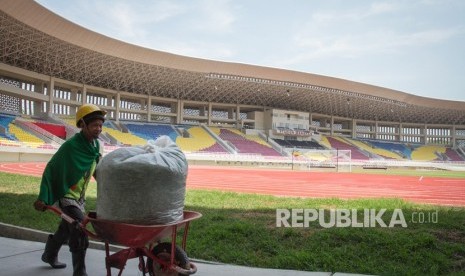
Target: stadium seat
x: 25, y: 137
x: 57, y: 130
x: 401, y: 149
x: 428, y: 153
x: 149, y: 131
x: 452, y: 155
x: 299, y: 144
x: 199, y: 141
x: 124, y: 138
x: 368, y: 147
x: 250, y: 144
x: 339, y: 143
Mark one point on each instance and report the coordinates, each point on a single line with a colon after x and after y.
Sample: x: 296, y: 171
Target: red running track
x: 430, y: 190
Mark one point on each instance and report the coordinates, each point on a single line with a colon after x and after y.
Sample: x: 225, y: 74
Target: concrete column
x: 401, y: 134
x: 179, y: 111
x: 149, y: 108
x: 424, y: 134
x: 84, y: 94
x: 231, y: 113
x: 209, y: 122
x: 238, y: 116
x: 73, y: 96
x: 354, y: 129
x: 331, y: 126
x: 51, y: 92
x: 174, y: 109
x: 109, y: 99
x: 37, y: 106
x: 117, y: 106
x: 143, y: 103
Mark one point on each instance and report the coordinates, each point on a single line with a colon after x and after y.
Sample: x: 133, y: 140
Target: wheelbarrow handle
x: 70, y: 220
x: 60, y: 213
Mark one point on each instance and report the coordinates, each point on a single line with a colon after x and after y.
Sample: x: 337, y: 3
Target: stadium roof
x: 34, y: 38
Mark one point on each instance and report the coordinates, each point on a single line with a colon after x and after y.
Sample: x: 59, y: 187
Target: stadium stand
x: 5, y: 121
x: 298, y: 144
x: 14, y: 132
x: 198, y: 140
x: 249, y: 144
x: 54, y: 129
x: 368, y: 147
x: 124, y: 138
x: 428, y: 153
x: 25, y: 137
x: 324, y: 142
x: 452, y: 155
x: 339, y: 143
x: 69, y: 121
x: 152, y: 132
x: 404, y: 150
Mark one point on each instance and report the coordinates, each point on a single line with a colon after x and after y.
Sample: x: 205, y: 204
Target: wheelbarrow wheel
x: 163, y: 252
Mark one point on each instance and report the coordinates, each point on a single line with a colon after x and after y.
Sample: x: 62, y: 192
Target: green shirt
x: 78, y: 191
x: 67, y: 167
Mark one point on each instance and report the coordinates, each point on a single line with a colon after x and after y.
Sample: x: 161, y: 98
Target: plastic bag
x: 142, y: 184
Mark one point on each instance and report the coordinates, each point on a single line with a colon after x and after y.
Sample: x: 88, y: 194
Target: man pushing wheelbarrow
x: 64, y: 182
x: 140, y: 200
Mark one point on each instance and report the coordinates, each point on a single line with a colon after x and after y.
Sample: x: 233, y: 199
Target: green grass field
x: 241, y: 229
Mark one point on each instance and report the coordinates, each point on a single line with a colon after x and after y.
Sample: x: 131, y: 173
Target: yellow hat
x: 87, y: 109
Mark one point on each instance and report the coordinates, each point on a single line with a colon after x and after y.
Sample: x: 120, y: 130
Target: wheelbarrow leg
x: 123, y: 264
x: 142, y: 265
x: 107, y: 253
x: 173, y: 243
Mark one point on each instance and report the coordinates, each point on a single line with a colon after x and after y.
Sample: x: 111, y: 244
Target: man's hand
x: 39, y: 206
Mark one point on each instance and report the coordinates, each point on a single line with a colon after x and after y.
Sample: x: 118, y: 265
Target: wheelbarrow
x: 142, y: 241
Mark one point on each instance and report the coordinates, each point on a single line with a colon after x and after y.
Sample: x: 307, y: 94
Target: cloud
x: 133, y: 20
x: 381, y: 8
x: 356, y: 45
x: 353, y: 14
x: 213, y: 16
x: 371, y: 30
x: 428, y: 36
x: 180, y: 28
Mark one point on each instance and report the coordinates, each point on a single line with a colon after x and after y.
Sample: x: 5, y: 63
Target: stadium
x: 218, y: 111
x: 233, y: 121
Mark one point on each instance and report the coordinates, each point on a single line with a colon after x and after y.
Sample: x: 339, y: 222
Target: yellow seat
x: 125, y: 138
x: 427, y: 153
x: 199, y: 140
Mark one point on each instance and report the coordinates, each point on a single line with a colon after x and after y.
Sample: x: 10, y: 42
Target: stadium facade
x: 49, y: 65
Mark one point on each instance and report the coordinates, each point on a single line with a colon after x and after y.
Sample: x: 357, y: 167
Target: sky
x: 413, y: 46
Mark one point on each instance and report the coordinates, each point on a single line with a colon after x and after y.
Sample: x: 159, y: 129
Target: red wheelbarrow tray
x: 130, y: 235
x: 139, y: 239
x: 135, y: 235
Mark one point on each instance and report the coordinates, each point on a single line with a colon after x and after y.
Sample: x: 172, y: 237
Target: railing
x: 277, y: 147
x: 228, y: 146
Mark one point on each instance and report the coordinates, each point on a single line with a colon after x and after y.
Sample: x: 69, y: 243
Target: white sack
x: 142, y: 185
